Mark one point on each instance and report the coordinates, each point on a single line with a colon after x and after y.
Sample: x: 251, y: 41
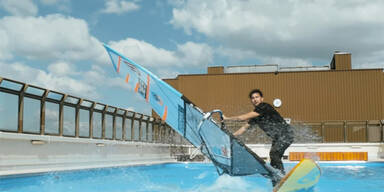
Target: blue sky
x: 57, y: 44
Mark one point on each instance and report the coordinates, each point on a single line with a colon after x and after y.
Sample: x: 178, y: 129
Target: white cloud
x: 49, y: 2
x: 187, y: 56
x: 176, y: 3
x: 19, y: 7
x: 119, y: 6
x: 371, y: 60
x: 144, y: 53
x: 194, y: 54
x: 60, y: 68
x: 62, y: 5
x: 286, y: 29
x: 4, y: 54
x: 66, y: 84
x: 286, y: 62
x: 54, y: 37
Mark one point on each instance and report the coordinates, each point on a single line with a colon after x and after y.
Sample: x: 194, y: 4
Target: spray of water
x: 305, y: 134
x: 227, y: 183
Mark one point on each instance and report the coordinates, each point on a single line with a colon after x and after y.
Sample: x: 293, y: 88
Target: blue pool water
x: 191, y: 177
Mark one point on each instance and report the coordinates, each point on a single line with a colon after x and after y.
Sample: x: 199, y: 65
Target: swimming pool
x: 191, y: 177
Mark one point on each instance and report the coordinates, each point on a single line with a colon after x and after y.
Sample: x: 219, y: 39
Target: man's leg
x: 275, y: 156
x: 277, y: 151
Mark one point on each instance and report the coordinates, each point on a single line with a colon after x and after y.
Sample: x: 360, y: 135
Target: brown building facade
x: 337, y: 94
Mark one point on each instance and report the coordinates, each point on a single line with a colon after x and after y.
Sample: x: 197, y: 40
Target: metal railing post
x: 114, y: 125
x: 21, y: 109
x: 140, y: 131
x: 123, y: 126
x: 61, y: 115
x: 91, y: 119
x: 132, y: 127
x: 77, y: 118
x: 42, y: 112
x: 103, y: 122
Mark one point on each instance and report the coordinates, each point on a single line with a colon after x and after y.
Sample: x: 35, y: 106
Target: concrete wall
x: 375, y: 150
x: 23, y: 153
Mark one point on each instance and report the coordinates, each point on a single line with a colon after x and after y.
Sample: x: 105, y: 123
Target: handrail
x: 149, y: 121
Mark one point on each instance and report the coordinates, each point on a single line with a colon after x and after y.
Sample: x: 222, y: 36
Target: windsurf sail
x: 228, y: 154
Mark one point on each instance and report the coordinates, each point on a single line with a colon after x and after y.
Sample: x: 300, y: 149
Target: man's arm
x: 243, y: 117
x: 241, y: 130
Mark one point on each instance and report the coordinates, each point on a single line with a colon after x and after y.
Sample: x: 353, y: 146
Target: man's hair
x: 255, y: 91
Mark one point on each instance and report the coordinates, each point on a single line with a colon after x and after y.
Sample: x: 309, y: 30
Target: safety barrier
x: 31, y: 109
x: 370, y: 131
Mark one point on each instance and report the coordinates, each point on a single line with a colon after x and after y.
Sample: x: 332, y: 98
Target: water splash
x: 226, y: 183
x: 305, y: 134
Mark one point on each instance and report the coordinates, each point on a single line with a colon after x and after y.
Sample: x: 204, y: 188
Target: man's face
x: 256, y: 99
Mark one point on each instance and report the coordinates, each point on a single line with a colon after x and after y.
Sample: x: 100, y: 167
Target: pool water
x: 190, y: 177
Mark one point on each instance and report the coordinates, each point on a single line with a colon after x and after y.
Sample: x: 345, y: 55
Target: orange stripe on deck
x: 127, y: 78
x: 118, y: 64
x: 137, y: 87
x: 329, y: 156
x: 165, y: 113
x: 147, y: 95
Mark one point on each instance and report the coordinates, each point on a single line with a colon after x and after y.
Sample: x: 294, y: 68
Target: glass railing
x: 29, y: 109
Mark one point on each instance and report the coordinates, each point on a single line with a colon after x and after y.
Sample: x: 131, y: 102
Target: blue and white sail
x: 229, y: 155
